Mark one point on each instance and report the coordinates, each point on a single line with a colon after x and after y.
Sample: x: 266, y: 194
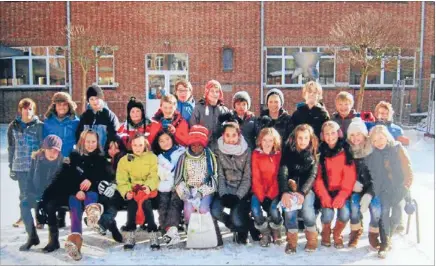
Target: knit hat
x: 52, y: 142
x: 242, y: 96
x: 211, y: 84
x: 132, y: 104
x: 198, y: 134
x: 357, y: 126
x: 275, y: 92
x: 94, y: 90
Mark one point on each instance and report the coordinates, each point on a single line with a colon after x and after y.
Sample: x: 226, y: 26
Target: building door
x: 161, y: 75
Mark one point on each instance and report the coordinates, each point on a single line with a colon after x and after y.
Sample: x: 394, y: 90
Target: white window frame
x: 115, y: 84
x: 300, y: 78
x: 30, y: 58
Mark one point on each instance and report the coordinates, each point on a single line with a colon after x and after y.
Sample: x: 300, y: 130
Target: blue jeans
x: 374, y: 210
x: 76, y: 210
x: 307, y: 211
x: 238, y: 218
x: 272, y: 211
x: 327, y: 214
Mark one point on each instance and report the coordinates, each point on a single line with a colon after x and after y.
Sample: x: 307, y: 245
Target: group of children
x: 204, y: 157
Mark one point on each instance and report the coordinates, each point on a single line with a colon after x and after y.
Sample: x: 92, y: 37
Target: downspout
x: 262, y: 29
x: 70, y: 79
x: 421, y: 58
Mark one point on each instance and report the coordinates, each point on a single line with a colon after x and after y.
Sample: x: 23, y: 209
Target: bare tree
x: 371, y: 37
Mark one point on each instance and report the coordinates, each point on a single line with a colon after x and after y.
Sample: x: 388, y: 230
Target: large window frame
x: 107, y: 53
x: 27, y: 55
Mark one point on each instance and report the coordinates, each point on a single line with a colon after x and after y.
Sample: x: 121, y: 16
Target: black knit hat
x: 94, y: 90
x: 135, y: 103
x: 52, y: 142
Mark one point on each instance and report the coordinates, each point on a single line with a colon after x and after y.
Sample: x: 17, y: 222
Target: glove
x: 266, y: 203
x: 326, y: 203
x: 228, y: 199
x: 358, y: 187
x: 364, y: 202
x: 13, y: 175
x: 41, y: 213
x: 106, y: 188
x: 338, y: 203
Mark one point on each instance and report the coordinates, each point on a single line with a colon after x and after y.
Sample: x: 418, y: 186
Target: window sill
x: 108, y: 87
x: 34, y: 87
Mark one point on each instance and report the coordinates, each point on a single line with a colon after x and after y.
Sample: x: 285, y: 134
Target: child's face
x: 274, y: 103
x: 138, y: 145
x: 241, y: 107
x: 95, y: 103
x: 383, y: 114
x: 51, y: 154
x: 330, y: 136
x: 27, y: 113
x: 135, y: 115
x: 113, y: 149
x: 183, y: 93
x: 90, y: 143
x: 343, y: 107
x: 356, y: 138
x: 231, y: 136
x: 165, y: 142
x: 62, y: 109
x: 213, y: 96
x: 303, y: 139
x: 311, y: 97
x: 379, y: 141
x: 168, y: 109
x: 197, y: 148
x: 267, y: 144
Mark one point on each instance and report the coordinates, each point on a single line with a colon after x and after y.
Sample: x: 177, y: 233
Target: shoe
x: 276, y: 233
x: 355, y: 234
x: 240, y: 238
x: 291, y: 242
x: 53, y: 240
x: 93, y: 212
x: 171, y: 237
x: 337, y: 234
x: 73, y: 246
x: 32, y: 240
x: 373, y: 238
x: 326, y: 235
x: 265, y: 239
x: 312, y: 241
x: 154, y: 241
x: 130, y: 240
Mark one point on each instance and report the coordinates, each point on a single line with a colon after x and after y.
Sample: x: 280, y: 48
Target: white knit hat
x: 357, y: 126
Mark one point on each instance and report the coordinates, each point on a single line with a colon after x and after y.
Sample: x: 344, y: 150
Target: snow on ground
x: 101, y: 250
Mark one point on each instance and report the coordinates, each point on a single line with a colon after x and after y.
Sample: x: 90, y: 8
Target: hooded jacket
x: 182, y: 127
x: 64, y: 128
x: 127, y: 131
x: 265, y: 169
x: 315, y: 117
x: 282, y: 124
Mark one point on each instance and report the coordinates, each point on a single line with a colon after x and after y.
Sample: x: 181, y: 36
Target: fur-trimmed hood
x: 361, y: 151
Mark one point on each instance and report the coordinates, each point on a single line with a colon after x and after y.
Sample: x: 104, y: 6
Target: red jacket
x: 182, y: 128
x: 126, y: 133
x: 264, y: 170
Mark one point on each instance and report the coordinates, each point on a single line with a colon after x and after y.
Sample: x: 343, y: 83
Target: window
x: 33, y: 67
x: 227, y: 59
x: 105, y: 67
x: 280, y: 65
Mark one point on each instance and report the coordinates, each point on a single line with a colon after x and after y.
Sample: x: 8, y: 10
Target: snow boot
x: 154, y: 240
x: 172, y: 237
x: 240, y: 238
x: 291, y: 245
x: 312, y: 240
x: 264, y: 229
x: 219, y: 237
x: 116, y: 235
x: 355, y: 234
x: 385, y: 245
x: 93, y: 212
x: 32, y: 240
x: 53, y: 240
x: 373, y: 238
x: 73, y: 246
x: 326, y: 235
x: 337, y: 234
x: 276, y: 233
x: 130, y: 237
x: 255, y: 234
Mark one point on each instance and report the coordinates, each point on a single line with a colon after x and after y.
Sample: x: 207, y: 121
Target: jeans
x: 188, y: 208
x: 272, y: 211
x: 169, y: 209
x: 238, y: 218
x: 327, y: 214
x: 307, y: 211
x: 76, y: 210
x: 110, y: 211
x: 374, y: 210
x: 389, y: 220
x: 25, y: 209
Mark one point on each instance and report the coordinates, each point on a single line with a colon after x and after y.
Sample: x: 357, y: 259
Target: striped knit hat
x: 198, y: 134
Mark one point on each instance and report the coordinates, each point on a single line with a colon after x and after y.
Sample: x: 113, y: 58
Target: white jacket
x: 166, y: 169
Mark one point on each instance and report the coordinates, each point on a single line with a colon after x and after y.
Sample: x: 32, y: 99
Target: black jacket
x: 315, y: 117
x: 364, y: 176
x: 282, y: 124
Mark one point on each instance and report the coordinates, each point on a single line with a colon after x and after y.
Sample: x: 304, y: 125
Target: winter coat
x: 127, y: 131
x: 137, y: 170
x: 300, y: 166
x: 247, y: 124
x: 104, y: 122
x: 283, y: 124
x: 264, y: 170
x: 207, y: 116
x: 315, y: 117
x: 182, y: 127
x: 23, y: 139
x: 234, y: 169
x: 64, y: 128
x: 186, y: 108
x: 390, y: 169
x: 363, y: 174
x: 93, y: 167
x: 166, y: 168
x: 344, y: 123
x: 394, y: 129
x: 336, y: 172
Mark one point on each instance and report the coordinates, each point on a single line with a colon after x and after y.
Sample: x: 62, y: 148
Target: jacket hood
x: 361, y: 151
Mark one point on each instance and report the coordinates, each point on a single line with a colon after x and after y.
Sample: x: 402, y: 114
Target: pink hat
x: 213, y: 84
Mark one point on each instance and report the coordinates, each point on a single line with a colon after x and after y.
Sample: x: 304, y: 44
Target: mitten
x: 358, y: 187
x: 364, y: 202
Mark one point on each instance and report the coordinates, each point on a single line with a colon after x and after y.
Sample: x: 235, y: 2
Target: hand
x: 102, y: 186
x: 80, y: 195
x: 171, y: 129
x: 107, y: 189
x: 85, y: 185
x: 300, y: 198
x: 326, y: 203
x: 358, y: 187
x: 364, y: 202
x: 147, y: 190
x: 338, y: 203
x: 286, y: 200
x: 13, y: 175
x: 267, y: 203
x: 129, y: 195
x: 41, y: 214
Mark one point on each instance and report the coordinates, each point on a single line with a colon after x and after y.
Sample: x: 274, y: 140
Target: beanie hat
x: 52, y: 142
x: 211, y: 84
x: 94, y: 90
x: 242, y: 96
x: 198, y: 134
x: 357, y: 126
x: 275, y: 92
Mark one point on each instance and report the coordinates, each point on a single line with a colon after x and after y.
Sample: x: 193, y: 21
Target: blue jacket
x: 64, y: 129
x: 186, y: 108
x: 395, y: 130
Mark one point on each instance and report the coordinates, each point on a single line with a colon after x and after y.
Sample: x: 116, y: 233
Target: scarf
x: 230, y: 149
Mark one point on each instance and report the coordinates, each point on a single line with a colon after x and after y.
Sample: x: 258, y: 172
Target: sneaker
x: 172, y: 236
x: 93, y: 212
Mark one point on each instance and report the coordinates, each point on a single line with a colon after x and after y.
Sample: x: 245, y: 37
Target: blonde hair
x: 313, y: 86
x: 272, y: 132
x: 331, y: 124
x: 344, y: 96
x: 146, y: 143
x: 383, y: 130
x: 169, y: 99
x: 81, y: 143
x: 386, y: 105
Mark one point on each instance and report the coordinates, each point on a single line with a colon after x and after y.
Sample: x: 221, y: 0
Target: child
x: 137, y: 183
x: 208, y: 109
x: 170, y: 205
x: 185, y: 100
x: 363, y: 192
x: 265, y: 163
x: 168, y: 118
x: 344, y: 113
x: 391, y: 171
x: 311, y: 112
x: 196, y: 176
x: 234, y: 182
x: 334, y: 182
x: 24, y: 137
x: 44, y: 166
x: 296, y: 178
x: 136, y: 122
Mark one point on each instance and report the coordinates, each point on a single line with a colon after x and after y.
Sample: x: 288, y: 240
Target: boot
x: 53, y: 240
x: 240, y: 237
x: 276, y: 233
x: 73, y: 246
x: 291, y: 239
x: 355, y: 234
x: 337, y: 234
x: 373, y: 238
x: 130, y: 237
x: 154, y: 241
x: 172, y: 237
x: 116, y: 235
x: 264, y: 229
x: 93, y: 212
x: 325, y: 235
x: 385, y: 245
x: 32, y: 240
x: 312, y: 240
x: 255, y: 234
x: 218, y: 233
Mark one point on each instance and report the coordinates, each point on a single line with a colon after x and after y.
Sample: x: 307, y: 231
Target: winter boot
x: 53, y: 240
x: 93, y: 212
x: 325, y: 235
x: 240, y: 238
x: 18, y: 223
x: 116, y: 235
x: 373, y: 238
x: 337, y: 234
x: 73, y: 246
x: 385, y: 245
x: 32, y: 240
x: 276, y: 233
x: 264, y: 229
x: 171, y: 237
x: 255, y: 234
x: 355, y: 234
x: 291, y: 245
x: 154, y: 241
x: 130, y: 239
x: 312, y: 239
x: 219, y: 237
x: 61, y: 218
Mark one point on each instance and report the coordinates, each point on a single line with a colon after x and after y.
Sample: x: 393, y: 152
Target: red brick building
x: 158, y: 42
